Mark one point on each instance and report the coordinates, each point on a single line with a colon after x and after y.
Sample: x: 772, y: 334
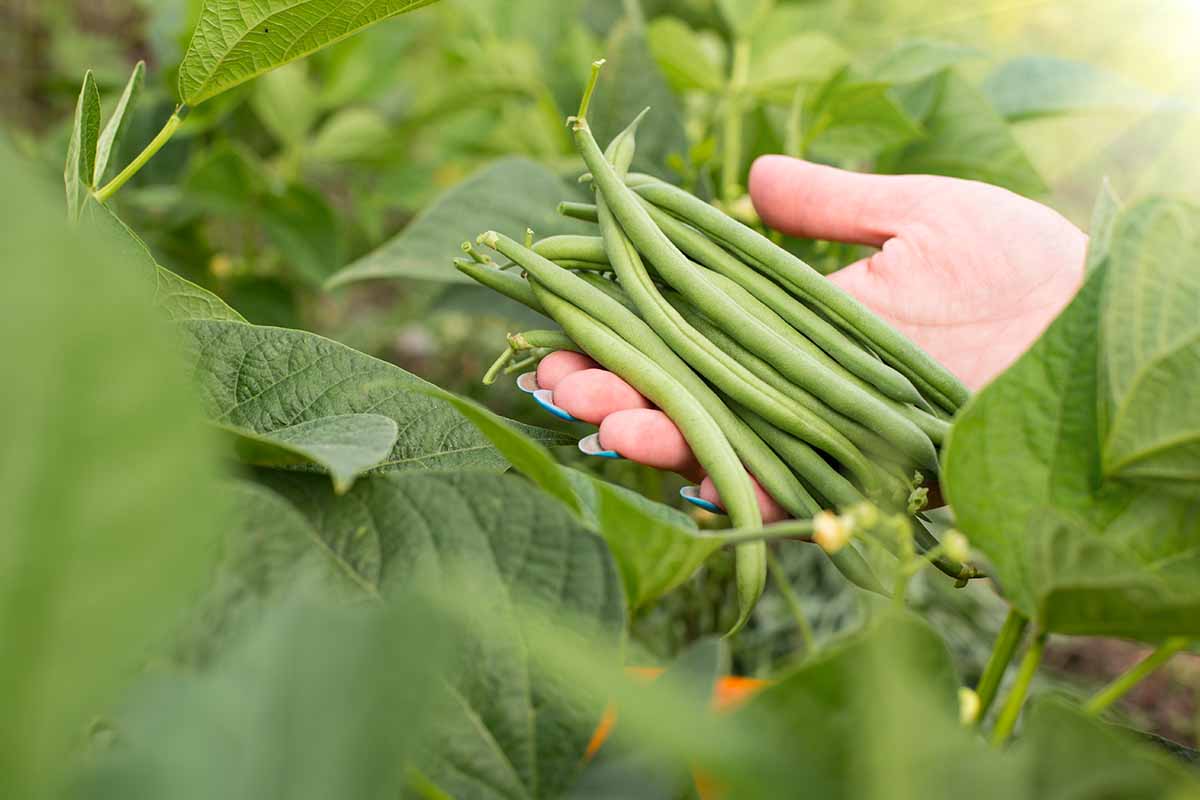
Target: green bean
x: 571, y: 247
x: 541, y: 340
x: 604, y: 304
x: 506, y: 283
x: 781, y: 264
x: 584, y: 212
x: 708, y: 443
x: 583, y: 266
x: 689, y: 280
x: 610, y: 288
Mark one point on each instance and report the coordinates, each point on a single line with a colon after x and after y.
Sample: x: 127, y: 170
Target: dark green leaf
x: 237, y: 40
x: 507, y: 196
x: 80, y: 170
x: 110, y: 138
x: 106, y: 494
x: 264, y: 379
x: 967, y: 138
x: 1038, y: 86
x: 305, y: 229
x: 345, y: 446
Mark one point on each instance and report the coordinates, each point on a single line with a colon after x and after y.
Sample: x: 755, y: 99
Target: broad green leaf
x: 631, y: 82
x: 106, y: 494
x: 806, y: 58
x: 180, y: 299
x: 967, y: 138
x: 317, y: 702
x: 305, y: 229
x: 656, y: 547
x: 114, y: 130
x: 508, y: 196
x: 264, y: 379
x: 286, y: 103
x: 1022, y: 469
x: 351, y: 134
x: 79, y: 172
x: 345, y: 446
x: 918, y: 59
x: 1104, y: 220
x: 848, y: 120
x: 1151, y: 341
x: 506, y: 725
x: 683, y: 57
x: 1037, y: 86
x: 237, y: 40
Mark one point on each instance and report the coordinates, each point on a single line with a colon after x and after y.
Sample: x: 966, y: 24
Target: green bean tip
x: 489, y: 239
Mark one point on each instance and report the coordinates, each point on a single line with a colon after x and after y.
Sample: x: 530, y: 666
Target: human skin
x: 970, y: 272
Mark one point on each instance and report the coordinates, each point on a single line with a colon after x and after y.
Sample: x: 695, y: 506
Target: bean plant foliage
x: 243, y: 560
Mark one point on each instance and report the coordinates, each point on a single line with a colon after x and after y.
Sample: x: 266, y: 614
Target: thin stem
x: 795, y: 125
x: 498, y: 366
x: 1007, y: 720
x: 790, y: 529
x: 1135, y: 674
x: 156, y: 144
x: 791, y: 600
x: 731, y: 167
x: 1002, y: 654
x: 588, y: 91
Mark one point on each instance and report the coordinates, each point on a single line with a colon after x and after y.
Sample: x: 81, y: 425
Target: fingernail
x: 527, y: 382
x: 692, y: 495
x: 590, y: 445
x: 542, y: 396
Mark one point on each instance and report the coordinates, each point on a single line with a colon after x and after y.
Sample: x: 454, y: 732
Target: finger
x: 770, y: 510
x: 593, y: 394
x: 648, y: 437
x: 818, y: 202
x: 558, y: 365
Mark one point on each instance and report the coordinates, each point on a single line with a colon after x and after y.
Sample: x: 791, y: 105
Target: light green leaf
x: 107, y: 503
x: 1151, y: 341
x: 656, y: 547
x: 805, y: 58
x: 1077, y: 553
x: 237, y: 40
x: 917, y: 59
x: 114, y: 130
x: 743, y: 16
x: 1038, y: 86
x: 1104, y: 220
x: 345, y: 446
x: 848, y: 120
x: 683, y: 57
x: 631, y: 82
x: 80, y: 169
x: 967, y: 138
x: 286, y: 103
x: 180, y: 299
x: 264, y: 379
x: 506, y: 726
x: 507, y: 196
x: 351, y: 134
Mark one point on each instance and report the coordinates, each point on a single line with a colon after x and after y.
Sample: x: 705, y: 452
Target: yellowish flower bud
x: 968, y: 705
x: 830, y: 531
x: 956, y: 546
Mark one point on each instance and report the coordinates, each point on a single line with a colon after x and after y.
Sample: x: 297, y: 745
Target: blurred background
x: 273, y: 188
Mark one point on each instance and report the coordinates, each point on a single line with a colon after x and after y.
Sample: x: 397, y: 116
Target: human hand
x: 970, y: 272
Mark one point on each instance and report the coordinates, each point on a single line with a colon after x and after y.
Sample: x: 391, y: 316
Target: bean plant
x: 250, y: 560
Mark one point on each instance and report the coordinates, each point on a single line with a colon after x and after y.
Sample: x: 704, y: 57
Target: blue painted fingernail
x: 542, y: 396
x: 692, y: 495
x: 590, y: 445
x: 527, y: 382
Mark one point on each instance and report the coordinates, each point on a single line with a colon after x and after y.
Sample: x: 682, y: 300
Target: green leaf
x: 351, y: 134
x: 805, y: 58
x: 1077, y: 553
x: 919, y: 59
x: 631, y: 81
x: 1037, y: 86
x: 507, y: 196
x: 1151, y: 345
x: 683, y: 56
x: 743, y: 16
x: 118, y: 123
x: 106, y: 494
x: 656, y: 547
x: 316, y: 703
x: 506, y: 726
x: 345, y: 446
x: 967, y: 138
x: 238, y: 40
x: 180, y: 299
x: 1104, y: 220
x: 80, y: 170
x: 286, y: 103
x: 305, y: 229
x: 849, y: 120
x: 263, y: 379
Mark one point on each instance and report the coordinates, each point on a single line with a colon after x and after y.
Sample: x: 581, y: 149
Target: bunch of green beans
x: 767, y: 368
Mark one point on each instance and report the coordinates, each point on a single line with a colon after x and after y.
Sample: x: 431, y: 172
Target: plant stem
x: 1135, y: 674
x: 1016, y: 698
x: 586, y: 101
x: 156, y: 144
x: 1002, y: 654
x: 791, y: 529
x: 793, y: 602
x: 731, y: 168
x: 498, y: 366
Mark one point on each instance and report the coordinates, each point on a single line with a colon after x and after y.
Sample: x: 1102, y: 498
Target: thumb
x: 818, y: 202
